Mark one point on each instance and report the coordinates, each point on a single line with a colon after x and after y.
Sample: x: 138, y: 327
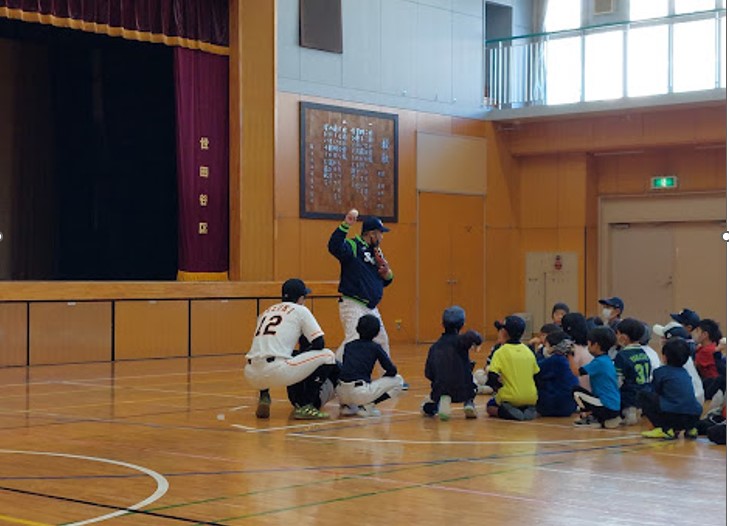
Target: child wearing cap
x: 448, y: 367
x: 633, y: 368
x: 555, y: 381
x: 356, y: 388
x: 511, y: 374
x: 612, y: 310
x: 671, y: 407
x: 688, y: 318
x: 601, y: 406
x: 536, y: 344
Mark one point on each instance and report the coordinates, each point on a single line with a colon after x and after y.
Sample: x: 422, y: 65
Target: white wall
x: 424, y: 55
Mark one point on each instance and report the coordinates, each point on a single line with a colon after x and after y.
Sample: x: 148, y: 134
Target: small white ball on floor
x: 221, y: 416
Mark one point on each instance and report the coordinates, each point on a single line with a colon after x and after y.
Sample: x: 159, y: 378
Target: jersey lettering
x: 270, y: 325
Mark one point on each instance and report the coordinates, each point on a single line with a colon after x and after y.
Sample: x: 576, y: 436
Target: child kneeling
x: 357, y: 392
x: 511, y: 374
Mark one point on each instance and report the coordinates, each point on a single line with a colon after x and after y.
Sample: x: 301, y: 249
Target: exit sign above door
x: 663, y: 182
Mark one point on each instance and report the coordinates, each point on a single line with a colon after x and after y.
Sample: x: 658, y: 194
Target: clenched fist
x: 351, y: 217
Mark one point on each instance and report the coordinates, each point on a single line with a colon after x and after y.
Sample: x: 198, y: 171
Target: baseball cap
x: 663, y: 330
x: 514, y: 325
x: 687, y: 317
x: 293, y: 289
x: 373, y: 223
x: 614, y: 302
x: 454, y: 316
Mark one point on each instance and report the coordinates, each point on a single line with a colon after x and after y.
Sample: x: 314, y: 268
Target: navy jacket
x: 448, y: 368
x: 358, y: 278
x: 554, y: 382
x: 359, y: 359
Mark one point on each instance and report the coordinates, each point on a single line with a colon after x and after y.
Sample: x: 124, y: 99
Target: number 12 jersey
x: 278, y: 329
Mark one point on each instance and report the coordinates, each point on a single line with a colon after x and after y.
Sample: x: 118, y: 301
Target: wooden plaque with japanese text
x: 348, y: 160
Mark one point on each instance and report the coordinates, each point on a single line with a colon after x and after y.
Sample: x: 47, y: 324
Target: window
x: 563, y: 53
x: 563, y: 14
x: 692, y: 6
x: 648, y: 61
x: 694, y: 56
x: 604, y: 66
x: 642, y: 10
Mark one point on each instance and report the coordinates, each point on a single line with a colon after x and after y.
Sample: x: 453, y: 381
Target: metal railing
x: 628, y: 59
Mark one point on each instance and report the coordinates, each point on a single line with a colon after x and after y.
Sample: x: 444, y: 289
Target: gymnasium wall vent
x: 603, y: 7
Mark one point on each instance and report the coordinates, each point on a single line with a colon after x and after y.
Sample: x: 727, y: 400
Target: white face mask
x: 606, y: 312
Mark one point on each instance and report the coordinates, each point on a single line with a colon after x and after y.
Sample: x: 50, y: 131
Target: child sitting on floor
x: 511, y: 374
x: 672, y: 407
x: 601, y: 406
x: 633, y: 368
x: 555, y: 380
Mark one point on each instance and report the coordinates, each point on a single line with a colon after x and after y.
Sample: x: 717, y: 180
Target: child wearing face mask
x: 612, y: 311
x: 555, y: 380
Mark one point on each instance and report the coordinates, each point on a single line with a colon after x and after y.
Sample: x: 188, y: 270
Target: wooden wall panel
x: 222, y: 326
x: 326, y: 312
x: 13, y: 334
x: 68, y: 332
x: 151, y: 329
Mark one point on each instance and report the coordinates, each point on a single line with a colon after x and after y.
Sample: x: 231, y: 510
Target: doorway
x: 450, y: 260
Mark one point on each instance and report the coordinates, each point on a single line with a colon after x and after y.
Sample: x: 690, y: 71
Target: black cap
x: 373, y: 223
x: 614, y: 302
x: 293, y: 289
x: 514, y: 325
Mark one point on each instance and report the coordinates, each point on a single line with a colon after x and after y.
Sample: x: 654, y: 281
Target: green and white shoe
x: 309, y: 412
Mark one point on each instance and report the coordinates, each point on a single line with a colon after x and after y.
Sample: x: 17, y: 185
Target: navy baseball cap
x: 614, y: 302
x: 293, y: 289
x: 373, y: 223
x: 513, y: 325
x: 687, y: 317
x: 454, y: 316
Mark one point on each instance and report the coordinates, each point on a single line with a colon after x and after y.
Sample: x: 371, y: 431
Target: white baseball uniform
x: 363, y: 393
x: 350, y: 311
x: 269, y: 363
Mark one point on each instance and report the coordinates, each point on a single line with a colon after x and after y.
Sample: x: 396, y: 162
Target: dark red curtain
x: 201, y: 86
x: 194, y: 24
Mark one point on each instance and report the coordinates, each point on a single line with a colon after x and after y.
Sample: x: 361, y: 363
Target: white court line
x: 162, y: 484
x: 298, y: 426
x: 154, y: 390
x: 238, y: 408
x: 246, y: 428
x: 462, y: 442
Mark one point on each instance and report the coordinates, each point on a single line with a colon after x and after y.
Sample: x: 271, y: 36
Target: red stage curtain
x: 193, y: 24
x: 201, y: 86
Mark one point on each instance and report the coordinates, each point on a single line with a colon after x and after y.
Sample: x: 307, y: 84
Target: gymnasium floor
x: 165, y: 442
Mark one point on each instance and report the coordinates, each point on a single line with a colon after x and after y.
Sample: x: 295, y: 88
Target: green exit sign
x: 664, y: 181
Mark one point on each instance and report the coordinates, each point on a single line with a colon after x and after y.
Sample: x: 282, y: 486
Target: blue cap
x: 293, y: 289
x: 614, y: 302
x: 454, y: 316
x: 373, y: 223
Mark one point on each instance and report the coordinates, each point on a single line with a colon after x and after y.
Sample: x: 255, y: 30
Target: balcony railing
x: 660, y: 56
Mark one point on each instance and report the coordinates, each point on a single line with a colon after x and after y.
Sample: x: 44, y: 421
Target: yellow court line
x: 13, y: 520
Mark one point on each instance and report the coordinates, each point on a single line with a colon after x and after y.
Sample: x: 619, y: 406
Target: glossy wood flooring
x: 170, y: 442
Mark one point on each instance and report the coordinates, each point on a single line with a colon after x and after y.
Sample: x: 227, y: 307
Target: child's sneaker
x: 658, y: 432
x: 264, y: 404
x: 630, y: 416
x: 612, y: 423
x: 429, y: 408
x: 309, y: 412
x: 484, y: 390
x: 368, y: 410
x: 469, y: 410
x: 588, y: 421
x: 444, y: 408
x: 530, y: 413
x: 691, y: 434
x: 514, y: 412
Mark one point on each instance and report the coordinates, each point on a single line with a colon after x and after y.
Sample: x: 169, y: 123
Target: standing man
x: 271, y: 361
x: 364, y: 275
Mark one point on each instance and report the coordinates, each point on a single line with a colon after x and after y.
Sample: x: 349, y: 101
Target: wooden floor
x: 168, y: 442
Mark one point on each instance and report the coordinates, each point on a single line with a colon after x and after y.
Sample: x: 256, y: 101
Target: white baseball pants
x: 350, y: 312
x: 276, y: 371
x: 363, y: 393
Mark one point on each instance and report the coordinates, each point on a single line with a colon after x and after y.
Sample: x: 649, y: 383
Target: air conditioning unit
x: 603, y: 7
